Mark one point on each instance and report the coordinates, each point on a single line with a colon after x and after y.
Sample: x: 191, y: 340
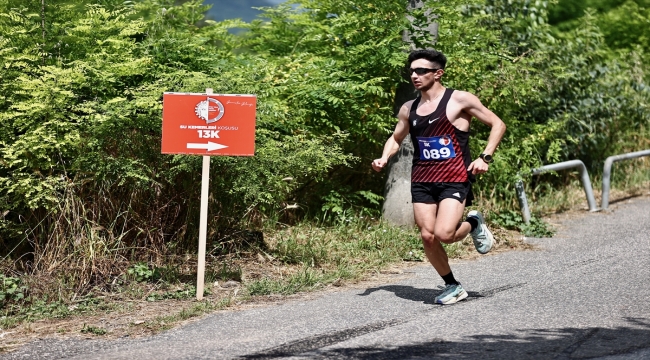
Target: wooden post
x: 203, y: 223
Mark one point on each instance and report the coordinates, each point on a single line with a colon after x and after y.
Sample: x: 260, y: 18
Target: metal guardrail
x: 607, y: 172
x: 584, y: 178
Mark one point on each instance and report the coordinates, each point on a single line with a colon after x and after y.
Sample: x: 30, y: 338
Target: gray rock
x: 397, y: 208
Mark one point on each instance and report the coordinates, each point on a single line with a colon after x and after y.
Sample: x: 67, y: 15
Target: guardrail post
x: 607, y: 172
x: 523, y: 202
x: 584, y: 179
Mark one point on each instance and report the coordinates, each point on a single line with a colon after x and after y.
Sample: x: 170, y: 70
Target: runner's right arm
x: 393, y: 143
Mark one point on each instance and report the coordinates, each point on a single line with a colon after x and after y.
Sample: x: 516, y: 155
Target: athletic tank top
x: 441, y: 150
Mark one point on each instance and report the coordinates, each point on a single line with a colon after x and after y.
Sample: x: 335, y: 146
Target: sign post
x: 203, y: 226
x: 203, y: 221
x: 208, y: 125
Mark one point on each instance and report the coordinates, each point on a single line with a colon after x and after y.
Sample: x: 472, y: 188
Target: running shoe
x: 452, y: 293
x: 483, y: 239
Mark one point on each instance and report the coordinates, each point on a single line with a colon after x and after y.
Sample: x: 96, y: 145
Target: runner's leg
x: 425, y: 218
x: 448, y: 228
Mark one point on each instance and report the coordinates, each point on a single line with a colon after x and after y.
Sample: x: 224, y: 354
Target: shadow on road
x: 564, y: 343
x: 427, y: 296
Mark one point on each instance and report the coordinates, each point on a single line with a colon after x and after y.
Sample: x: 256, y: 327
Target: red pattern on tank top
x: 449, y: 170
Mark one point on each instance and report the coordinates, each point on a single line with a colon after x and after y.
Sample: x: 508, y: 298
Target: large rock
x: 398, y: 209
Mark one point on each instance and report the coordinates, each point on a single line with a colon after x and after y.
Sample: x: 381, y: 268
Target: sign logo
x: 444, y: 140
x: 210, y: 110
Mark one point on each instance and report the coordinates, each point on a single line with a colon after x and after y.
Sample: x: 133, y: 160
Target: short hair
x: 434, y: 56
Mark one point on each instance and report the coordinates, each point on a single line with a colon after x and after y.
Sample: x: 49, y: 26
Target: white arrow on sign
x: 210, y: 146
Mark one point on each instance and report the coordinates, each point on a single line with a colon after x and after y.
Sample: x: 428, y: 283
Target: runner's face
x: 426, y: 80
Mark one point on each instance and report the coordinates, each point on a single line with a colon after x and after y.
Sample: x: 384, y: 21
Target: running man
x: 438, y: 122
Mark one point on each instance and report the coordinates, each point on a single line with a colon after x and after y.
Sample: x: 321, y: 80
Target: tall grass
x: 89, y: 238
x: 349, y: 249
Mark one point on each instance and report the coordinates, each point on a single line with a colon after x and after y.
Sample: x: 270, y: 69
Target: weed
x: 42, y: 308
x: 11, y: 290
x: 140, y: 272
x: 347, y: 250
x: 181, y: 294
x: 457, y: 249
x: 514, y: 221
x: 197, y: 309
x: 143, y: 272
x: 89, y: 329
x: 167, y: 273
x: 306, y: 279
x: 225, y: 272
x: 415, y: 255
x: 537, y: 228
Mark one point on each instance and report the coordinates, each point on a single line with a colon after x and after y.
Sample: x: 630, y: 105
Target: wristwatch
x: 487, y: 158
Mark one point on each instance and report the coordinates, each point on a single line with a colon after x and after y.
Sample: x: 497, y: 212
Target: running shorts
x: 434, y: 192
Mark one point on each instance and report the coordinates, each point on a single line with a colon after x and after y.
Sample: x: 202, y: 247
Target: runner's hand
x: 379, y: 164
x: 478, y: 166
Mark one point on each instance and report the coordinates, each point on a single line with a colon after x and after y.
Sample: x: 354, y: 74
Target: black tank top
x: 441, y: 150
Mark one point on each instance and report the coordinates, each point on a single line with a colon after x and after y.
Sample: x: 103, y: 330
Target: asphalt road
x: 585, y: 293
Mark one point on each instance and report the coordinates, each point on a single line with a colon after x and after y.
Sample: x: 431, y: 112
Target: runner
x: 438, y: 121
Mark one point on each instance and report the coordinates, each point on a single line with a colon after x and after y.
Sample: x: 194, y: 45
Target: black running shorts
x: 435, y: 192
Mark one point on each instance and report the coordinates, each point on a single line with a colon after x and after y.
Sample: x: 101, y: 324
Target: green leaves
x: 563, y: 96
x: 512, y: 220
x: 83, y: 114
x: 11, y: 290
x: 80, y: 108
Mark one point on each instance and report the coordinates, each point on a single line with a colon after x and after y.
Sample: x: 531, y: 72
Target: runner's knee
x: 446, y: 237
x: 427, y: 237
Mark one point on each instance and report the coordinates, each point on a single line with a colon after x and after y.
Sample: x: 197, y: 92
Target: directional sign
x: 208, y: 124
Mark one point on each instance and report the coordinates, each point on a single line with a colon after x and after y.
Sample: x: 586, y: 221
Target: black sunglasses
x: 421, y: 71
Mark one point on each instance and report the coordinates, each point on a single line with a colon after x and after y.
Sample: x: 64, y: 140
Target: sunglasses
x: 421, y: 71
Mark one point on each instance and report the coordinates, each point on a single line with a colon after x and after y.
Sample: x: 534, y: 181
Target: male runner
x: 438, y: 121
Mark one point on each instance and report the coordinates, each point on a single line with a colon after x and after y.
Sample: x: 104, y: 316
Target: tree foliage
x: 563, y: 96
x: 81, y: 112
x: 81, y: 97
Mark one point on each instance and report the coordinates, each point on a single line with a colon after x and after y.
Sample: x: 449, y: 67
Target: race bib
x: 436, y: 148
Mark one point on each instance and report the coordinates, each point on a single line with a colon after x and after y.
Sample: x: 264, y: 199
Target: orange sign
x: 208, y: 124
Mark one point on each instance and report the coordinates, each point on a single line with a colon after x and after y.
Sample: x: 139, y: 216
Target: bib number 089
x: 435, y: 154
x: 436, y: 148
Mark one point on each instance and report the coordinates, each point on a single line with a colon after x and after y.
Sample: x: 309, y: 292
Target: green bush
x: 512, y: 220
x: 85, y: 190
x: 141, y: 272
x: 11, y: 290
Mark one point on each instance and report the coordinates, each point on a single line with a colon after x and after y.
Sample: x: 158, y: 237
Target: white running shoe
x: 483, y: 239
x: 452, y: 293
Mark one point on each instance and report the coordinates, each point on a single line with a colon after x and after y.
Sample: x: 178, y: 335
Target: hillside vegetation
x: 88, y: 203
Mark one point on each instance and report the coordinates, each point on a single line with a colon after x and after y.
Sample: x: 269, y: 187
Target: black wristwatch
x: 487, y: 158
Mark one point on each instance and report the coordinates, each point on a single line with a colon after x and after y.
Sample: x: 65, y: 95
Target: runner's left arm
x: 473, y: 106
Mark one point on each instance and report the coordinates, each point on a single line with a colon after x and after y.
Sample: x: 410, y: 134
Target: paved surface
x: 584, y: 294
